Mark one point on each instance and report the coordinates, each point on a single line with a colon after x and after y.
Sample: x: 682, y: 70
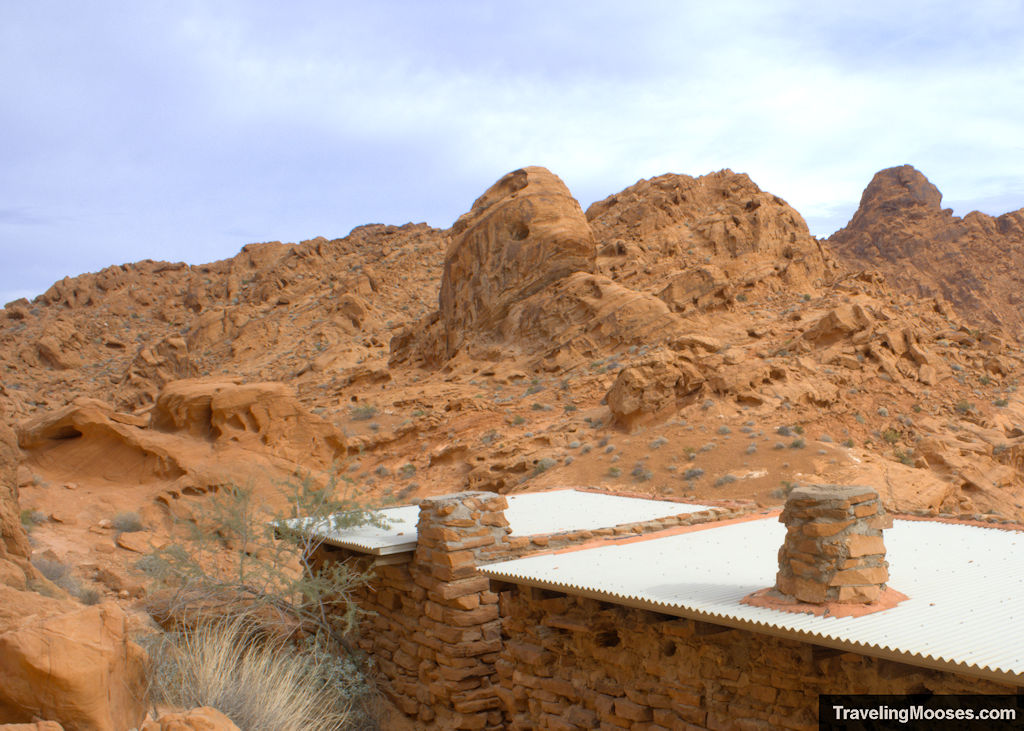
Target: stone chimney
x: 834, y: 550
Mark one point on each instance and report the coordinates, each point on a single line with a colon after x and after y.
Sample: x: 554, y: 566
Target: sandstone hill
x: 973, y: 262
x: 686, y: 337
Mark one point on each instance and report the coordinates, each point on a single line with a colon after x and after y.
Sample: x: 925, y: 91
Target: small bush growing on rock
x: 127, y: 523
x: 31, y: 518
x: 543, y: 465
x: 963, y: 406
x: 724, y: 480
x: 1000, y: 402
x: 890, y: 436
x: 693, y: 473
x: 905, y: 457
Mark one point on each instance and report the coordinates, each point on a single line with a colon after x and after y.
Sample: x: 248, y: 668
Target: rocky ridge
x: 972, y: 262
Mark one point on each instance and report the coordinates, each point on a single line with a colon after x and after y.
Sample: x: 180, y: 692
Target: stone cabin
x: 575, y: 609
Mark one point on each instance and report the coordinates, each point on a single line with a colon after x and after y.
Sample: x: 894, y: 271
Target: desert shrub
x: 963, y: 406
x: 693, y: 473
x: 127, y: 522
x: 614, y: 472
x: 905, y: 457
x: 89, y: 596
x: 60, y: 574
x: 641, y: 473
x: 724, y: 480
x: 55, y: 571
x: 362, y: 412
x: 1001, y: 402
x: 658, y: 443
x: 890, y: 436
x: 543, y: 465
x: 31, y: 518
x: 798, y: 444
x: 240, y: 561
x: 257, y: 681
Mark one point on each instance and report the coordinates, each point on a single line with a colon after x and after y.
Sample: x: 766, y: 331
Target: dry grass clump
x: 259, y: 683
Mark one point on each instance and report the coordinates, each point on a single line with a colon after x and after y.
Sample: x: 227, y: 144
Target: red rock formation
x: 973, y: 262
x: 525, y: 233
x: 700, y: 241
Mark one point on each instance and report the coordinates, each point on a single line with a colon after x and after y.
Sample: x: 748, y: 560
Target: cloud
x: 184, y: 131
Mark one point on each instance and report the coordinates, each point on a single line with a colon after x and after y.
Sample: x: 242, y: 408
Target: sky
x: 181, y: 131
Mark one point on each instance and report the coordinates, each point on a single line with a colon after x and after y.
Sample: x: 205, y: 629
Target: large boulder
x: 657, y: 383
x: 261, y: 417
x: 77, y: 667
x: 523, y: 234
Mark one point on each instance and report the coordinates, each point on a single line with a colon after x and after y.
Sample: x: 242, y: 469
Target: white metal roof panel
x: 965, y: 583
x: 528, y: 514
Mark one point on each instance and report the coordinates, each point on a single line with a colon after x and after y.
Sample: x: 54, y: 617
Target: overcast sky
x: 183, y: 130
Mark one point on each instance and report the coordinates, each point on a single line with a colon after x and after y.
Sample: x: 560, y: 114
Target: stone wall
x: 432, y: 624
x: 574, y: 663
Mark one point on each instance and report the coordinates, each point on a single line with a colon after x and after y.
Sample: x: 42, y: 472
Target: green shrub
x: 31, y: 518
x: 1001, y: 402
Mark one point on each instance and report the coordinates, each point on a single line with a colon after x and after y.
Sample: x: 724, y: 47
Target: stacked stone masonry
x: 432, y: 624
x: 834, y: 550
x: 573, y: 663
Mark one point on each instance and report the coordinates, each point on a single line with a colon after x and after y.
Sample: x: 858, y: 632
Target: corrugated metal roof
x: 528, y: 514
x: 965, y: 586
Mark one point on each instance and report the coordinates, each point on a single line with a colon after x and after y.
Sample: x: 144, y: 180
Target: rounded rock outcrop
x: 523, y: 234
